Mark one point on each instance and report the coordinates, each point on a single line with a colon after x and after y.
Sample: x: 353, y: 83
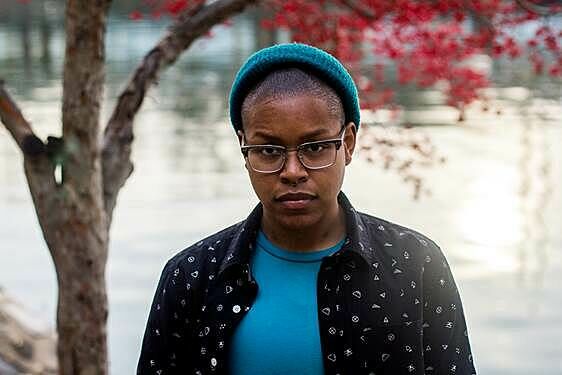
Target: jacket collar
x: 356, y: 246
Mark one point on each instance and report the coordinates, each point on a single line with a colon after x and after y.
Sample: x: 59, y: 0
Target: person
x: 306, y: 284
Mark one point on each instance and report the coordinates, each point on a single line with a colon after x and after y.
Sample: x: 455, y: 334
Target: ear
x: 349, y: 141
x: 240, y: 135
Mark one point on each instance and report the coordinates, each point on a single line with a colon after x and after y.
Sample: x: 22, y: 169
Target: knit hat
x: 313, y: 59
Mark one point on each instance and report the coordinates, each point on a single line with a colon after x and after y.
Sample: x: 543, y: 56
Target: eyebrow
x: 305, y: 138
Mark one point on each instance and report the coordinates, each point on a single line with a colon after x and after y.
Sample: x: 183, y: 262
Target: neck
x: 326, y: 233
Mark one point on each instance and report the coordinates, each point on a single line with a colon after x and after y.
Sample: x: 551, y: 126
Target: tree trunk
x: 82, y: 314
x: 78, y: 235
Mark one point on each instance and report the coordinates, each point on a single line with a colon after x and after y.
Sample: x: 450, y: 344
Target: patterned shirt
x: 290, y: 343
x: 387, y: 303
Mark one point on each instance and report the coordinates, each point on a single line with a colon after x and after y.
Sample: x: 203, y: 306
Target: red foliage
x: 422, y: 42
x: 426, y: 41
x: 175, y: 7
x: 171, y: 8
x: 135, y: 15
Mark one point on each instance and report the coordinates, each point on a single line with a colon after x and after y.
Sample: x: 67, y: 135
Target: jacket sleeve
x: 446, y: 344
x: 165, y: 346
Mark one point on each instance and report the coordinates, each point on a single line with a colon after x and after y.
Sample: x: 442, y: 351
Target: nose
x: 293, y: 171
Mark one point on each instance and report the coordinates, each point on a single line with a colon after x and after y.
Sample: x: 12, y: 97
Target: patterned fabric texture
x: 387, y: 303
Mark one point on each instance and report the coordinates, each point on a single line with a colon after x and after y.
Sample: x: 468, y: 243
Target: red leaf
x: 175, y: 7
x: 135, y: 15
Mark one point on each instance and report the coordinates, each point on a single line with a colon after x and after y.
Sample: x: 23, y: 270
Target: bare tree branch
x: 481, y: 21
x: 543, y: 10
x: 360, y: 9
x: 38, y: 164
x: 118, y: 135
x: 17, y: 125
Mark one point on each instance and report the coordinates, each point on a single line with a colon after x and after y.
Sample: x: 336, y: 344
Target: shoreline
x: 26, y: 345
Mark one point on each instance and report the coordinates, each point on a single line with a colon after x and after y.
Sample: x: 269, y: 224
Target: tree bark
x: 77, y: 234
x: 549, y: 8
x: 82, y: 309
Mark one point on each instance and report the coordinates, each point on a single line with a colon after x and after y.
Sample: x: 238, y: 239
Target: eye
x: 270, y: 151
x: 315, y: 148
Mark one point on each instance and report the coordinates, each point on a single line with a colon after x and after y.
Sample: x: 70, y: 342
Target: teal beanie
x: 325, y: 66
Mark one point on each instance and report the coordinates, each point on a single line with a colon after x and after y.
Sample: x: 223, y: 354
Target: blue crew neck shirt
x: 279, y: 334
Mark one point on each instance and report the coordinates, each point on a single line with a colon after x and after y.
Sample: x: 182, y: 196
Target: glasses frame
x: 337, y: 141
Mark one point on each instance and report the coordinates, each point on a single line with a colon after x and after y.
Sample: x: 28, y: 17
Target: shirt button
x: 236, y: 309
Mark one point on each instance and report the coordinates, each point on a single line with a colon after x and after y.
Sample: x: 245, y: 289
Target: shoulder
x: 397, y: 239
x: 412, y: 253
x: 201, y: 259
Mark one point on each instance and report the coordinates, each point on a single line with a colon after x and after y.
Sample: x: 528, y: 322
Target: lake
x: 495, y: 205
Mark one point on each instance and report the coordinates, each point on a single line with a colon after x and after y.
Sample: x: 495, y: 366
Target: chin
x: 297, y: 221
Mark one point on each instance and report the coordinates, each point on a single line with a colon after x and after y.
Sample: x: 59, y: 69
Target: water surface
x: 494, y: 209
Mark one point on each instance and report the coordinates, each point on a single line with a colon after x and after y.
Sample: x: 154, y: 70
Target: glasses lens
x: 266, y: 158
x: 318, y: 155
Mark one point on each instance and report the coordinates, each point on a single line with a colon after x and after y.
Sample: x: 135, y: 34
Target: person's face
x: 296, y: 197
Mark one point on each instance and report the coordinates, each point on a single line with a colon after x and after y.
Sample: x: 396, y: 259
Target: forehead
x: 290, y: 118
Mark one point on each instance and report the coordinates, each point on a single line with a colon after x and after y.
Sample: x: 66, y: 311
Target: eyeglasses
x: 312, y: 155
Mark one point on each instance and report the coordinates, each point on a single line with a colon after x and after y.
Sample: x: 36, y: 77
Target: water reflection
x: 536, y: 188
x: 495, y: 207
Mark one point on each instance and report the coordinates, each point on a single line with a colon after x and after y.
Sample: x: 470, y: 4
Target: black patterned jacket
x: 387, y: 303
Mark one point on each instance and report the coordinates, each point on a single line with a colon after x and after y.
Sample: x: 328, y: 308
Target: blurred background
x: 494, y: 206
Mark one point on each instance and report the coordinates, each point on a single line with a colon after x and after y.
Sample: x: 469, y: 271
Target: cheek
x: 262, y: 184
x: 339, y: 172
x: 330, y: 181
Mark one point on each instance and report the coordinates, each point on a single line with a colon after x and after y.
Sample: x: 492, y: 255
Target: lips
x: 296, y: 200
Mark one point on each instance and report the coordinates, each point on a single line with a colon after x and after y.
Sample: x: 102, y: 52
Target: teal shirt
x: 279, y: 335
